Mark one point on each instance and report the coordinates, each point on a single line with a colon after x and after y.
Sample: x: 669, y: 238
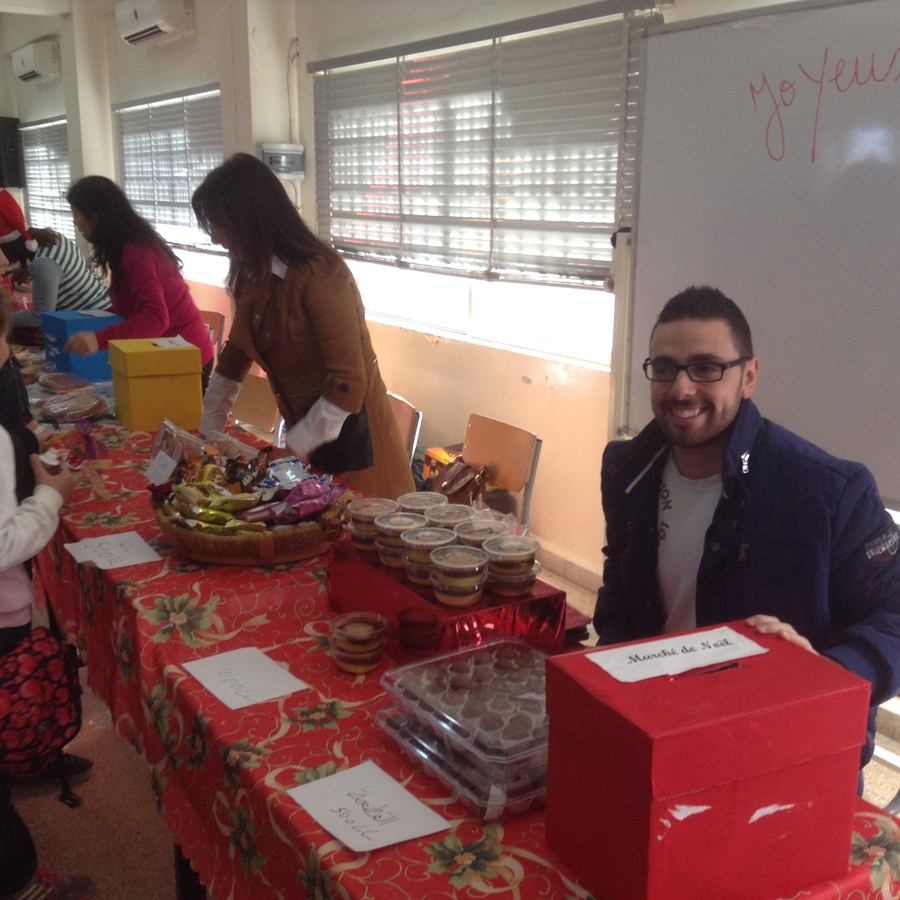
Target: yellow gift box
x: 152, y: 383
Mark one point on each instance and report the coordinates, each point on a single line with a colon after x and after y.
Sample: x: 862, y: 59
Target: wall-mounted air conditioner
x: 154, y: 20
x: 37, y: 62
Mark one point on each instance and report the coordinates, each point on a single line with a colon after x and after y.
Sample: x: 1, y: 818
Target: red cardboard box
x: 737, y: 781
x: 357, y: 581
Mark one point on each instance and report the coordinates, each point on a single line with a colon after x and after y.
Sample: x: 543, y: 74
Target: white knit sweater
x: 25, y: 528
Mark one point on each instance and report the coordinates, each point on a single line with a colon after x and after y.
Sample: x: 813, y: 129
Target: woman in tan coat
x: 298, y: 314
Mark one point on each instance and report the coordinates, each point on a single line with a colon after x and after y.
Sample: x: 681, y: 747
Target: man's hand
x: 771, y: 625
x: 84, y: 343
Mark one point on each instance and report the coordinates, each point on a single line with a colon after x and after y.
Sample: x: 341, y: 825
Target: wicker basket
x: 264, y: 548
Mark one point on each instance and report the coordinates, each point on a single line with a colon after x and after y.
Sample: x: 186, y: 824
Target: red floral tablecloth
x: 221, y: 775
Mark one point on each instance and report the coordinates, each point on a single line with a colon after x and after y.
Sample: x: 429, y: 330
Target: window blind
x: 45, y: 156
x: 512, y: 157
x: 166, y: 146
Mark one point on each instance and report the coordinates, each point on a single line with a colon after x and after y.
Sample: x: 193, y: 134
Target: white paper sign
x: 97, y: 313
x: 243, y: 677
x: 365, y: 808
x: 113, y: 550
x: 168, y: 342
x: 161, y: 468
x: 671, y: 656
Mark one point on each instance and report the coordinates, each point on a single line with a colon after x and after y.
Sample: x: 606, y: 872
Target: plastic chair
x: 409, y: 421
x: 509, y: 453
x: 256, y: 407
x: 215, y: 321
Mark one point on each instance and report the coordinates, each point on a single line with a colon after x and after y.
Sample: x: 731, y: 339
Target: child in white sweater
x: 30, y: 500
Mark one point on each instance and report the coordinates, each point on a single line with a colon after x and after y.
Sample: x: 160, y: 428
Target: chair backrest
x: 255, y: 405
x: 409, y: 421
x: 508, y: 452
x: 215, y: 321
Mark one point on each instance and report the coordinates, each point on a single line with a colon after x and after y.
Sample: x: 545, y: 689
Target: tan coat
x: 308, y: 333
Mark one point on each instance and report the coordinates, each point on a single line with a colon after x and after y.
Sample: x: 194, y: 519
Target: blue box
x: 59, y: 326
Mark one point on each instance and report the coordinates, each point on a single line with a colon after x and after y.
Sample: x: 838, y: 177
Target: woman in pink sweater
x: 146, y: 286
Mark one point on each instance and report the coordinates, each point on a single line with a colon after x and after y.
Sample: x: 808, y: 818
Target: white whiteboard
x: 792, y: 209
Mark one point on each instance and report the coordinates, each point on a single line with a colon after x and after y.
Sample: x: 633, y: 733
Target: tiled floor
x: 581, y: 598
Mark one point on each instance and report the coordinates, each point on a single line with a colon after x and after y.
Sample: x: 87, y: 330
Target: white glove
x: 217, y: 402
x: 320, y: 425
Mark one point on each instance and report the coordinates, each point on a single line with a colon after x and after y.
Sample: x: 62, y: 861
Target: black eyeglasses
x: 703, y: 372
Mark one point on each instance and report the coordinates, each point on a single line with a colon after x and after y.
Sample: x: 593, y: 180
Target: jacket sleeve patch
x: 882, y: 546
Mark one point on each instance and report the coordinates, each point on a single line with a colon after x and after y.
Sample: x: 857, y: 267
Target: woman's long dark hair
x: 113, y: 221
x: 244, y: 199
x: 16, y: 412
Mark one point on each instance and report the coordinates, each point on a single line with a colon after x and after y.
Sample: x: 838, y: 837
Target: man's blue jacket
x: 798, y: 534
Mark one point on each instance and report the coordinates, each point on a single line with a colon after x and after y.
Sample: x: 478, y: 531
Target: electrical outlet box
x: 285, y: 160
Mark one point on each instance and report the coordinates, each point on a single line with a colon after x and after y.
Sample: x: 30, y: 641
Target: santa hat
x: 12, y: 222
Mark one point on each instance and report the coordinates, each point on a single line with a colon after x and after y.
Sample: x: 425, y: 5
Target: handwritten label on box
x: 243, y: 677
x: 674, y: 655
x: 365, y: 808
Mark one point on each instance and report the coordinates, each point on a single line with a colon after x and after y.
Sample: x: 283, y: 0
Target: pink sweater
x: 155, y: 301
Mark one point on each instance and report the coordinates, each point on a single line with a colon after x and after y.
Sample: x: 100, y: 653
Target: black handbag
x: 350, y: 451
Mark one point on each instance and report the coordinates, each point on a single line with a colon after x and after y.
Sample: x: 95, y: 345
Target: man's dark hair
x: 709, y: 303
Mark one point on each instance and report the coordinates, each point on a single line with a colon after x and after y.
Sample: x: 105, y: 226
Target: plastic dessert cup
x: 514, y: 585
x: 419, y: 501
x: 389, y: 555
x: 361, y: 538
x: 365, y: 510
x: 449, y: 515
x: 363, y: 513
x: 418, y: 630
x: 511, y: 554
x: 512, y: 568
x: 419, y: 543
x: 457, y: 595
x: 475, y: 532
x: 391, y: 526
x: 458, y: 574
x: 357, y: 641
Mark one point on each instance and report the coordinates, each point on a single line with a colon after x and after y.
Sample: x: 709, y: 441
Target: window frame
x: 373, y: 217
x: 46, y: 162
x: 165, y: 145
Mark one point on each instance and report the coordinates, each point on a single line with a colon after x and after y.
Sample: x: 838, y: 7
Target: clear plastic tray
x: 486, y: 703
x: 487, y: 798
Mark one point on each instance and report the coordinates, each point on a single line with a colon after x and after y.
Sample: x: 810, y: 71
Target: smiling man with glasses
x: 714, y: 513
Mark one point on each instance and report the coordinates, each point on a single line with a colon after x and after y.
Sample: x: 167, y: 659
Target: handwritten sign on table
x: 161, y: 468
x: 672, y: 656
x: 243, y: 677
x: 113, y: 550
x: 365, y: 808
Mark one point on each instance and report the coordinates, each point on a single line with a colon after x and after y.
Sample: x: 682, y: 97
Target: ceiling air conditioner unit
x: 37, y: 62
x: 154, y: 20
